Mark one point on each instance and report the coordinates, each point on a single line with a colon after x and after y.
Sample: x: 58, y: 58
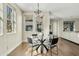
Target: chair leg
x: 46, y: 53
x: 37, y: 52
x: 32, y: 51
x: 57, y: 50
x: 51, y: 51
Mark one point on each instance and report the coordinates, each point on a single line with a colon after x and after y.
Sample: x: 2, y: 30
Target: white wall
x: 76, y: 25
x: 55, y: 27
x: 26, y: 33
x: 31, y: 15
x: 8, y: 42
x: 72, y: 36
x: 46, y: 23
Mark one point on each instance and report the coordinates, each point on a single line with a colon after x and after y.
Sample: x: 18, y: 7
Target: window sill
x: 11, y: 33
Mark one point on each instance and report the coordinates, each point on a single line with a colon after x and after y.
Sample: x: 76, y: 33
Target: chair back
x: 34, y: 35
x: 54, y: 41
x: 40, y: 36
x: 30, y: 40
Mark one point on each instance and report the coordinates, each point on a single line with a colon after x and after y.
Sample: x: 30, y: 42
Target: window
x: 1, y: 19
x: 68, y: 26
x: 11, y: 19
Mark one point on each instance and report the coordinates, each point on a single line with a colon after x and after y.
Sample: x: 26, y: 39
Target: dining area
x: 39, y: 32
x: 42, y: 44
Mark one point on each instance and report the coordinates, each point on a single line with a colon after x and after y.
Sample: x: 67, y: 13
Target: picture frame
x: 39, y: 27
x: 28, y: 28
x: 29, y: 25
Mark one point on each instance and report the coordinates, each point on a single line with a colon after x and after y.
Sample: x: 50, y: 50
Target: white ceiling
x: 57, y: 9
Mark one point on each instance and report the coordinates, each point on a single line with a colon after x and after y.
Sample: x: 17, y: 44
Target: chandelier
x: 38, y: 11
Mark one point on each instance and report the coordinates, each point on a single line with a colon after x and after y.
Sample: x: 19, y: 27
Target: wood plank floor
x: 65, y: 48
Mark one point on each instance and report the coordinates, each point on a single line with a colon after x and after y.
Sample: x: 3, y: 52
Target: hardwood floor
x: 65, y: 48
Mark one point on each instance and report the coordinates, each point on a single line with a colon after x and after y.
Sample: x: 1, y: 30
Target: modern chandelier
x: 38, y: 11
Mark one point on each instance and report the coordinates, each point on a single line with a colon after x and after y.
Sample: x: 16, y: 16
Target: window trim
x: 15, y: 17
x: 2, y: 25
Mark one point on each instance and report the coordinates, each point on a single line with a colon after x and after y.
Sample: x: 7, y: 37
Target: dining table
x: 41, y: 45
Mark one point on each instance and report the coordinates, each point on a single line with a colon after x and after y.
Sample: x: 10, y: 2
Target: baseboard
x: 13, y: 48
x: 24, y: 40
x: 70, y: 41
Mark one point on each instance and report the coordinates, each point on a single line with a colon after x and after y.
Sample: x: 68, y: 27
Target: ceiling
x: 57, y: 9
